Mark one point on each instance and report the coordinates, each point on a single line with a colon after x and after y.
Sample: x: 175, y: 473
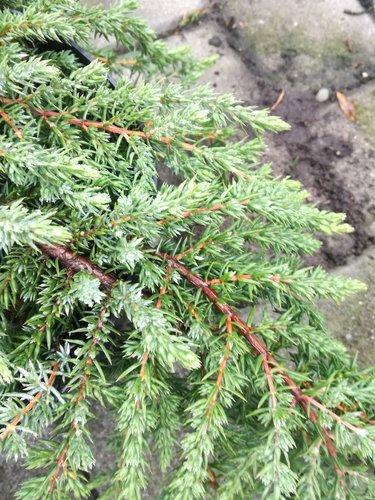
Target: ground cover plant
x: 120, y: 289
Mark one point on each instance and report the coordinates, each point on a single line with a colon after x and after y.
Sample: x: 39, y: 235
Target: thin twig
x: 142, y: 372
x: 86, y: 124
x: 127, y: 218
x: 189, y: 213
x: 164, y: 289
x: 11, y: 427
x: 7, y: 280
x: 61, y: 461
x: 223, y: 364
x: 278, y: 101
x: 220, y: 281
x: 194, y: 249
x: 9, y: 122
x: 271, y: 385
x: 130, y: 62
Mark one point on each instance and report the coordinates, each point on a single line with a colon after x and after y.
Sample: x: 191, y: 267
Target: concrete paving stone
x: 309, y: 44
x: 353, y: 321
x: 165, y: 15
x: 364, y: 101
x: 229, y: 73
x: 161, y: 15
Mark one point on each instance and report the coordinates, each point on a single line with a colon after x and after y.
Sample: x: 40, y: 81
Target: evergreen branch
x: 269, y: 377
x: 185, y: 215
x: 86, y: 124
x: 19, y: 226
x: 244, y: 329
x: 70, y: 141
x: 258, y: 346
x: 62, y: 459
x: 190, y: 213
x: 261, y: 350
x: 11, y: 427
x: 353, y: 428
x: 159, y: 305
x: 75, y: 263
x: 9, y: 122
x: 223, y: 364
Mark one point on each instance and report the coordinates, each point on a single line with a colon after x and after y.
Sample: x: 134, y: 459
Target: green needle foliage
x: 120, y: 289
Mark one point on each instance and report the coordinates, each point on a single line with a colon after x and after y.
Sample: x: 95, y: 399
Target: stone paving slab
x: 308, y: 44
x: 162, y: 15
x: 229, y: 73
x: 165, y: 15
x: 353, y: 321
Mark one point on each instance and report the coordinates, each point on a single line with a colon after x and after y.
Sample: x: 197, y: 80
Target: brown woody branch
x: 6, y: 282
x: 260, y: 349
x: 222, y: 366
x: 9, y: 122
x: 268, y: 372
x: 86, y: 124
x: 75, y: 263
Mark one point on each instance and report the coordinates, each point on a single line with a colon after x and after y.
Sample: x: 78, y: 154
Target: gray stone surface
x: 353, y: 321
x: 165, y: 15
x: 314, y: 44
x: 162, y: 15
x: 229, y: 73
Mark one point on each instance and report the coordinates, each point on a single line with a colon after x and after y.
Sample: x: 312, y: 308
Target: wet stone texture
x: 353, y: 321
x: 310, y: 50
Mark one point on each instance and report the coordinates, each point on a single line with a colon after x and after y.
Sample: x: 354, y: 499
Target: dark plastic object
x: 83, y: 56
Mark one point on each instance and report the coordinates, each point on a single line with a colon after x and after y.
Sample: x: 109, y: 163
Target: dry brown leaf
x: 346, y: 106
x: 349, y: 43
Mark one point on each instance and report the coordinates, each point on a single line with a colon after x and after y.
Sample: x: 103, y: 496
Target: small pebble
x: 322, y: 95
x: 216, y: 41
x: 365, y: 74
